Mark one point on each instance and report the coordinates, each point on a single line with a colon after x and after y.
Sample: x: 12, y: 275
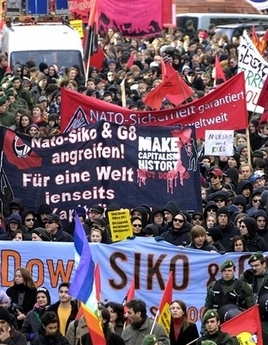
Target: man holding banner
x: 141, y: 325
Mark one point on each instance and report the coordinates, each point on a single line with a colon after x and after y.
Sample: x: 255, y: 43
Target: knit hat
x: 209, y: 314
x: 150, y: 339
x: 223, y: 210
x: 100, y: 222
x: 227, y: 264
x: 4, y: 315
x: 215, y: 233
x: 41, y: 76
x: 172, y: 207
x: 14, y: 218
x: 42, y: 66
x: 46, y: 292
x: 80, y: 212
x: 43, y: 234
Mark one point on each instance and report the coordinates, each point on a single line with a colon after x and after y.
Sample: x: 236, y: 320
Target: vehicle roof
x: 237, y: 25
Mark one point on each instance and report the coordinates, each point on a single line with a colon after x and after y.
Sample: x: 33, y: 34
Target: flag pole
x: 89, y: 55
x: 191, y: 342
x: 123, y: 93
x: 155, y: 319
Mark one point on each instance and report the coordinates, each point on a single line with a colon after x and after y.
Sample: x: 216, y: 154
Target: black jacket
x: 185, y: 337
x: 28, y: 300
x: 62, y: 236
x: 181, y: 237
x: 56, y: 339
x: 54, y: 307
x: 111, y: 339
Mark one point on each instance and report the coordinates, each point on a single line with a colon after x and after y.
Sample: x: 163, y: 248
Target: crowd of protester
x: 234, y: 189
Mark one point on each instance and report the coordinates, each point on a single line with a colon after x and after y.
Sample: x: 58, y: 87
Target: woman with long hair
x: 116, y: 316
x: 22, y: 294
x: 182, y: 331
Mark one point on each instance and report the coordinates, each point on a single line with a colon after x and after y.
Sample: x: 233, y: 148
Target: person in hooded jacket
x: 49, y: 333
x: 262, y: 224
x: 31, y: 324
x: 169, y: 210
x: 224, y: 223
x: 141, y: 213
x: 179, y: 233
x: 28, y: 220
x: 244, y: 188
x: 231, y: 176
x: 214, y: 235
x: 14, y: 223
x: 43, y: 211
x: 248, y: 229
x: 158, y: 218
x: 241, y: 203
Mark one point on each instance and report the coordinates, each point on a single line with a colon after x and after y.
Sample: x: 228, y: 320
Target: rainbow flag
x: 83, y: 284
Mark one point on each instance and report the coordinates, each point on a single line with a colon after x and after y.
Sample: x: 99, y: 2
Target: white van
x: 203, y: 20
x: 52, y: 43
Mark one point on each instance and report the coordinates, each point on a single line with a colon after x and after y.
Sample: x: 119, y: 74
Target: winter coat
x: 181, y: 237
x: 254, y: 242
x: 111, y: 339
x: 54, y: 307
x: 62, y: 236
x: 134, y: 336
x: 56, y: 339
x: 76, y: 330
x: 185, y: 337
x: 29, y: 298
x: 16, y: 338
x: 31, y: 324
x: 228, y: 233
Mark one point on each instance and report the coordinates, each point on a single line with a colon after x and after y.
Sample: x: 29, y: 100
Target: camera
x: 16, y: 307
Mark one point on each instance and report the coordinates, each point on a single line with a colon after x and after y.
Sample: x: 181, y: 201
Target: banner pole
x: 89, y: 55
x: 156, y: 317
x: 248, y: 146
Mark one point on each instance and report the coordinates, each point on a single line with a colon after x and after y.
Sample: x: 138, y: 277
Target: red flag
x: 97, y: 59
x: 98, y: 282
x: 263, y: 97
x: 172, y: 87
x: 245, y: 326
x: 129, y: 296
x: 163, y: 309
x: 92, y: 32
x: 264, y: 117
x: 219, y: 74
x: 130, y: 61
x: 254, y: 38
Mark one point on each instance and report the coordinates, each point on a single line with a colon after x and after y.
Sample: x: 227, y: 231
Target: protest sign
x: 223, y: 108
x: 133, y: 18
x: 255, y: 68
x: 145, y: 260
x: 101, y: 164
x: 120, y: 225
x: 219, y: 143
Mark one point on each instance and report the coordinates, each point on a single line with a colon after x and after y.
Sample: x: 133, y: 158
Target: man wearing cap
x: 257, y: 275
x: 8, y: 334
x: 95, y: 212
x: 229, y: 290
x: 54, y: 226
x: 215, y: 178
x: 212, y: 332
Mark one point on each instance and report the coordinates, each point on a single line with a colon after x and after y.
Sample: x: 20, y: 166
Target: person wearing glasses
x: 98, y: 232
x: 248, y: 229
x: 179, y: 233
x: 216, y: 181
x: 197, y: 218
x: 53, y: 224
x: 137, y: 227
x: 28, y: 220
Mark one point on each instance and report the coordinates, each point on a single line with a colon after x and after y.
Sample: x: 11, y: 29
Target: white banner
x: 219, y: 143
x: 256, y: 69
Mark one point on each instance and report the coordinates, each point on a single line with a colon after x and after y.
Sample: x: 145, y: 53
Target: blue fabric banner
x: 148, y: 261
x: 101, y: 164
